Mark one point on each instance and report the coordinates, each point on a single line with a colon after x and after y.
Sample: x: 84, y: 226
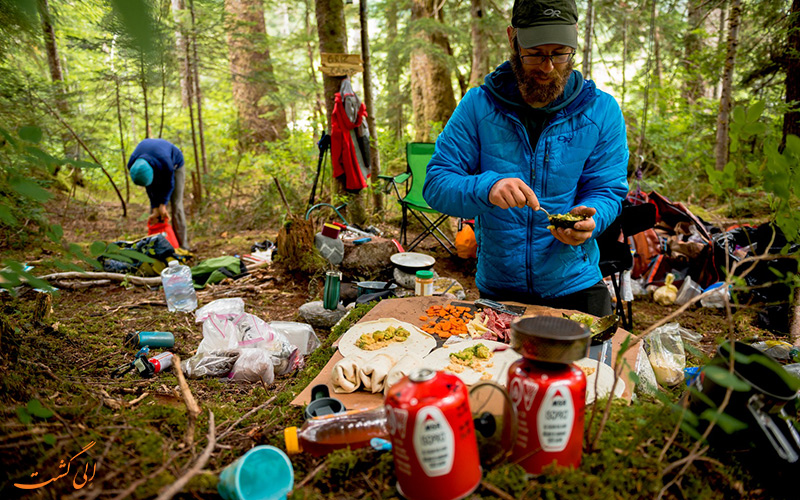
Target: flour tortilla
x: 402, y: 368
x: 440, y: 359
x: 373, y: 373
x: 345, y: 376
x: 604, y: 383
x: 418, y: 342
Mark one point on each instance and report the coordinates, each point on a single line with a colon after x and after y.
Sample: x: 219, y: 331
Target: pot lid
x: 412, y: 260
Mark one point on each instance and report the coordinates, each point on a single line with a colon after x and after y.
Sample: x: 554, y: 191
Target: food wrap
x: 345, y: 375
x: 403, y: 368
x: 418, y: 342
x: 373, y: 373
x: 496, y: 369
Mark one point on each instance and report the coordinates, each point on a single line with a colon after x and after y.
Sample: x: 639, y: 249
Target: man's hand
x: 513, y: 192
x: 582, y: 230
x: 158, y: 215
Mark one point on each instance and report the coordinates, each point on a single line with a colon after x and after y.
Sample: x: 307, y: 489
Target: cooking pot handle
x: 776, y: 438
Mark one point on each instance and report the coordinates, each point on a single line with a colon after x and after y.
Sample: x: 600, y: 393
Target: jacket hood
x: 502, y: 86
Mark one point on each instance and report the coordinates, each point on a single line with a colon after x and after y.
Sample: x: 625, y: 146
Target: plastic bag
x: 688, y: 291
x: 666, y: 294
x: 253, y: 365
x: 223, y: 307
x: 778, y: 350
x: 210, y: 364
x: 219, y: 334
x: 300, y: 335
x: 667, y: 355
x: 717, y: 297
x: 647, y: 378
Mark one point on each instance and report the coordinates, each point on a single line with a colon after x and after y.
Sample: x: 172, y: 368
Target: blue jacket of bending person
x: 580, y: 158
x: 164, y: 157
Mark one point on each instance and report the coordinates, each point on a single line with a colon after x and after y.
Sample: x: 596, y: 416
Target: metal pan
x: 411, y: 262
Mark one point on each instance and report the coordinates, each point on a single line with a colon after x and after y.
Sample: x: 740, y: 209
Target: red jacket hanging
x: 343, y: 150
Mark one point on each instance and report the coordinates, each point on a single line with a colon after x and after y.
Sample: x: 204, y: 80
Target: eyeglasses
x: 537, y: 60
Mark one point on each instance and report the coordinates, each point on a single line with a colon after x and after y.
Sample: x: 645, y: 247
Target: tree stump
x: 295, y: 246
x: 42, y: 308
x: 368, y: 261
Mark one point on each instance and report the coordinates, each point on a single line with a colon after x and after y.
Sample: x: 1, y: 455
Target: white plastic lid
x: 173, y: 263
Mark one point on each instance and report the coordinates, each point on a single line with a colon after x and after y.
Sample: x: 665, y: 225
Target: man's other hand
x: 513, y: 192
x: 581, y: 232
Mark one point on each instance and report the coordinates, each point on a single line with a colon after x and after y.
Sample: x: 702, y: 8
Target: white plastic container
x: 179, y: 287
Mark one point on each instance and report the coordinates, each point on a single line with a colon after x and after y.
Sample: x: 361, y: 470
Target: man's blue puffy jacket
x: 581, y: 158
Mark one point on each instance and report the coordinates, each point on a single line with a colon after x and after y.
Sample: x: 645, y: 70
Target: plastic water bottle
x: 179, y: 287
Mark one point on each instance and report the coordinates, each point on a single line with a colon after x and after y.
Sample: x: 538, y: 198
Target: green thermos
x: 151, y: 339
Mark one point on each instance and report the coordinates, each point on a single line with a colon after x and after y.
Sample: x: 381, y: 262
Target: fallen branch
x: 233, y: 425
x: 178, y: 485
x: 136, y: 280
x: 191, y: 404
x: 311, y: 475
x: 496, y: 491
x: 78, y: 285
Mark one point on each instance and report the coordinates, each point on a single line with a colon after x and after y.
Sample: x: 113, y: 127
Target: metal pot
x: 365, y: 287
x: 550, y: 339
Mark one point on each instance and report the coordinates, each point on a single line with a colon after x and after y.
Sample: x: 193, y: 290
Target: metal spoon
x: 545, y: 211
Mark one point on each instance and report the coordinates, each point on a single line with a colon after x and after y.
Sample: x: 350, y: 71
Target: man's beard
x: 535, y: 92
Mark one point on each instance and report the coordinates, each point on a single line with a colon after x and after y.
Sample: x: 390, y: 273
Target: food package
x: 223, y: 307
x: 373, y: 373
x: 345, y: 377
x: 666, y: 294
x: 210, y: 364
x: 300, y: 335
x: 647, y: 377
x: 667, y: 355
x: 253, y: 365
x: 403, y: 368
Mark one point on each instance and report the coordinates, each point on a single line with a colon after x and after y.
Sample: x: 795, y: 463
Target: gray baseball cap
x: 542, y: 22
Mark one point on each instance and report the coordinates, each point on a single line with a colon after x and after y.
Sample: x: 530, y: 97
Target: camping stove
x: 549, y: 392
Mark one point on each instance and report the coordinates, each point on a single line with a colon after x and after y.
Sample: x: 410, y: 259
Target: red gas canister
x: 550, y: 400
x: 433, y: 437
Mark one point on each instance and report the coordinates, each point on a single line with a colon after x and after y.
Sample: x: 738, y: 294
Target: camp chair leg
x: 627, y: 320
x: 431, y: 228
x: 403, y: 226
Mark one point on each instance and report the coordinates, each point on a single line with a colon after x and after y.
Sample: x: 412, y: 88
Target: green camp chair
x: 418, y: 155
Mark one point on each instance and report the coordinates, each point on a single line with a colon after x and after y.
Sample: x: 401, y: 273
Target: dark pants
x: 594, y: 300
x: 176, y: 207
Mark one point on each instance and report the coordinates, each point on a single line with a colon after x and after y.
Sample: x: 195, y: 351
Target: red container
x: 433, y: 437
x: 330, y: 230
x: 550, y: 400
x: 164, y: 227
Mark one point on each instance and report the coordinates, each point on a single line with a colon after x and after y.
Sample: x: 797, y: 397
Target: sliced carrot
x: 423, y: 318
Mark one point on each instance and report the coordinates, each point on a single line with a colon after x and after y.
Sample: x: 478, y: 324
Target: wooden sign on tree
x: 341, y: 64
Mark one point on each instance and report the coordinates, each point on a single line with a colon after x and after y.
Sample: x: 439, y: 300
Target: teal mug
x: 263, y: 473
x: 333, y: 280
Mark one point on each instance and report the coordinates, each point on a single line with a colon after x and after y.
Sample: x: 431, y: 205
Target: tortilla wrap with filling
x: 418, y: 342
x: 403, y: 368
x: 373, y: 373
x: 345, y: 376
x: 495, y: 369
x: 604, y: 378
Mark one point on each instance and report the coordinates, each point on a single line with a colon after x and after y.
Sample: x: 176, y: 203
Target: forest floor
x: 138, y: 425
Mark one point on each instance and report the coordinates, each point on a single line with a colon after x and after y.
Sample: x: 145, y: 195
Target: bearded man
x: 535, y: 135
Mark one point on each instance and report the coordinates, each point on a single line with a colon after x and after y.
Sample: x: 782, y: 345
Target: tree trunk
x: 723, y: 21
x: 394, y: 109
x: 252, y: 77
x: 197, y: 93
x: 188, y: 86
x: 178, y: 9
x: 332, y: 40
x: 587, y: 41
x: 723, y: 119
x: 693, y: 86
x: 122, y: 141
x: 163, y: 96
x: 319, y: 108
x: 624, y: 58
x: 480, y: 47
x: 332, y: 33
x: 57, y: 77
x: 659, y: 68
x: 374, y: 153
x: 143, y: 85
x: 432, y: 96
x: 791, y: 119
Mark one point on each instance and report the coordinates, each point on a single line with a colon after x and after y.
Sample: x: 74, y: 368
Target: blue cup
x: 263, y: 473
